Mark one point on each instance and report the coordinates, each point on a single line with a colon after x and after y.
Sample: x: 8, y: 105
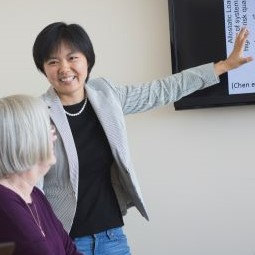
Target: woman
x: 94, y: 183
x: 26, y: 154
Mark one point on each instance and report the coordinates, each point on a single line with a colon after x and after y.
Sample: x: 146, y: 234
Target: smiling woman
x: 66, y: 57
x: 93, y: 183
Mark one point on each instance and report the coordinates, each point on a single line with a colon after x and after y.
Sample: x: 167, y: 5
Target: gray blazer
x: 111, y: 103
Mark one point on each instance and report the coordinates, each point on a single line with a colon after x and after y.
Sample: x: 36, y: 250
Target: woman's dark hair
x: 51, y: 37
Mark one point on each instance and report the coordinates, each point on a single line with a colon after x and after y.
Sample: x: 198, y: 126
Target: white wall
x: 200, y: 185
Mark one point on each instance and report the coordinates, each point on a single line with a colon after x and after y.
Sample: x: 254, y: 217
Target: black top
x: 97, y: 207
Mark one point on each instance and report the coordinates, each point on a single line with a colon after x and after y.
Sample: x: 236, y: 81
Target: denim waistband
x: 110, y: 233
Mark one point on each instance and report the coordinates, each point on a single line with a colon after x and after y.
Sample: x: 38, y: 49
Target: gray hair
x: 24, y: 133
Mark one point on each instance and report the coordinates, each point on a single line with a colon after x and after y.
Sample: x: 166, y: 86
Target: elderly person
x: 26, y: 154
x: 94, y: 183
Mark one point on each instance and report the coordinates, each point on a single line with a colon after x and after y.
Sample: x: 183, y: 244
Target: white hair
x: 24, y: 133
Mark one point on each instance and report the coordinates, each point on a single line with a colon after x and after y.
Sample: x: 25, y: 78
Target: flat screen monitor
x: 203, y: 31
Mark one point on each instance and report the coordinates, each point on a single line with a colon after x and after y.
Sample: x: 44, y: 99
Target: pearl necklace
x: 79, y: 112
x: 37, y: 222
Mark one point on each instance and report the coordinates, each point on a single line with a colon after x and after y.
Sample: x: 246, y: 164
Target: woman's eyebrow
x: 68, y: 54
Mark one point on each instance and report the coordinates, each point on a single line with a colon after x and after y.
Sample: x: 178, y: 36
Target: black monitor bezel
x: 213, y: 31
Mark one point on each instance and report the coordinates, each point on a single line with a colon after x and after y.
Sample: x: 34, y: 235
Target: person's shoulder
x: 12, y: 209
x: 8, y: 197
x: 101, y: 84
x: 97, y: 82
x: 49, y: 96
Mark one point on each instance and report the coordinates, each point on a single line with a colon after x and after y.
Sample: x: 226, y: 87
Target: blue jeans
x: 110, y: 242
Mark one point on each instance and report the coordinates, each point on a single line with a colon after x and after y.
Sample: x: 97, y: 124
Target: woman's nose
x: 64, y: 66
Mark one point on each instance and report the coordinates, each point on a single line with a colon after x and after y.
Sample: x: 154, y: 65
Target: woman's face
x: 66, y: 70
